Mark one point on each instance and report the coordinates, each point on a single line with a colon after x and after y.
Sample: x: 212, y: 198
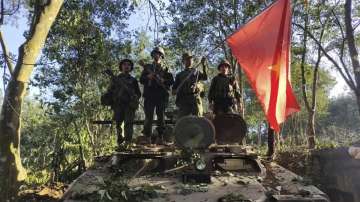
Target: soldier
x: 188, y: 89
x: 224, y: 91
x: 125, y: 94
x: 157, y: 81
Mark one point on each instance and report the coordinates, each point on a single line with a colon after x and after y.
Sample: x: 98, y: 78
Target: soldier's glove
x: 151, y: 76
x: 211, y: 106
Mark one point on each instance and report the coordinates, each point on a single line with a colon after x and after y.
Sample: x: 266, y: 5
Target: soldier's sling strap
x: 123, y: 84
x: 186, y: 78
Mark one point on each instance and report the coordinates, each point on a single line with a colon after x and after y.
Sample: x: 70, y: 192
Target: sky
x: 13, y: 36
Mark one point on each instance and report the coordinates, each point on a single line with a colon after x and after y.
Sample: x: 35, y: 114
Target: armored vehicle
x: 207, y: 162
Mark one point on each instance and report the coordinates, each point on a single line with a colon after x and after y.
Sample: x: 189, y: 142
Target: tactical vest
x: 223, y: 89
x: 120, y: 94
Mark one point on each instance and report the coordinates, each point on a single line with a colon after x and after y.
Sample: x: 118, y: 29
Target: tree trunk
x: 81, y: 165
x: 311, y: 120
x: 259, y: 135
x: 11, y: 170
x: 311, y: 107
x: 91, y: 137
x: 311, y: 130
x: 354, y: 55
x: 271, y: 142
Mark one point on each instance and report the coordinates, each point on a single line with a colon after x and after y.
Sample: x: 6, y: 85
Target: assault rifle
x: 158, y: 79
x: 236, y: 100
x: 193, y: 71
x: 134, y: 99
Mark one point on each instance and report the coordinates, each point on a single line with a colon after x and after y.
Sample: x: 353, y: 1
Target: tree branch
x: 356, y: 25
x: 316, y: 69
x: 354, y: 55
x: 337, y: 21
x: 42, y: 22
x: 6, y: 54
x: 2, y: 12
x: 302, y: 65
x: 348, y: 81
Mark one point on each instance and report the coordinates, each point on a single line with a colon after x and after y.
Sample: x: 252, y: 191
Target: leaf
x: 102, y: 193
x: 123, y: 193
x: 108, y: 196
x: 100, y: 179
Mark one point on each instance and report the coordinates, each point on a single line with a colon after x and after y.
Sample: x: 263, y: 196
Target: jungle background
x: 58, y: 139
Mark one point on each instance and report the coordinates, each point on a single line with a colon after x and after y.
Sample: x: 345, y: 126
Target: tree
x: 11, y: 170
x: 353, y: 52
x: 296, y: 126
x: 344, y: 35
x: 341, y: 123
x: 320, y: 23
x: 87, y: 38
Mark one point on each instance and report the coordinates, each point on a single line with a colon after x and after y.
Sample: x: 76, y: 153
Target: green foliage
x: 326, y: 144
x: 200, y: 30
x: 37, y: 137
x: 343, y: 111
x: 341, y: 123
x: 58, y: 136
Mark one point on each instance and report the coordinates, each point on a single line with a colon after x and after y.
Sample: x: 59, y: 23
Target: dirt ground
x: 294, y: 160
x: 43, y: 193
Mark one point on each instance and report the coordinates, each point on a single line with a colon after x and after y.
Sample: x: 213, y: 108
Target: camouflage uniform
x: 125, y: 104
x: 156, y: 96
x: 188, y: 97
x: 224, y: 92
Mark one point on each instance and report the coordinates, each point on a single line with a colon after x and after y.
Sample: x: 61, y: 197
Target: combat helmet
x: 158, y: 50
x: 126, y: 60
x: 224, y: 62
x: 187, y: 54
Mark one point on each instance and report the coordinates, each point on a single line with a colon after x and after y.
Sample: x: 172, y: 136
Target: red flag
x: 262, y: 48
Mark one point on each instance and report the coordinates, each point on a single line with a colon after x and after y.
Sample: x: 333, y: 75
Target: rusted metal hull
x: 230, y: 128
x: 195, y: 168
x: 255, y: 181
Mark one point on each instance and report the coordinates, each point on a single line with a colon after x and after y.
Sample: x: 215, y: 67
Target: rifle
x: 193, y: 71
x: 236, y: 100
x: 134, y: 99
x: 157, y: 77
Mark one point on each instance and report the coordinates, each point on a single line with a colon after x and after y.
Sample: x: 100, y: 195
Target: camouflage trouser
x: 194, y: 108
x: 126, y: 115
x: 149, y: 107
